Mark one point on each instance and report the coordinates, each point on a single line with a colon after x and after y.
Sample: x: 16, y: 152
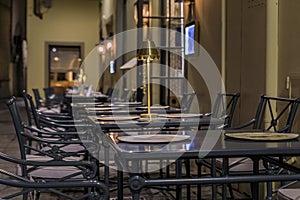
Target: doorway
x: 64, y: 60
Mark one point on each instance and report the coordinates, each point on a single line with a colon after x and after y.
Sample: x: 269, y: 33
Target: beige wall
x: 208, y: 16
x: 4, y: 48
x: 288, y: 51
x: 246, y: 54
x: 66, y: 21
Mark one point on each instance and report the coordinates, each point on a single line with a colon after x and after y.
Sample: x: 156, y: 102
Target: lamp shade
x: 148, y: 51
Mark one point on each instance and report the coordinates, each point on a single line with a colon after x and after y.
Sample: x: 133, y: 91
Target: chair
x: 266, y: 118
x: 186, y: 101
x: 50, y: 132
x: 224, y: 107
x: 125, y: 95
x: 27, y: 187
x: 41, y: 104
x: 34, y: 116
x: 38, y: 99
x: 274, y: 114
x: 52, y: 99
x: 51, y: 163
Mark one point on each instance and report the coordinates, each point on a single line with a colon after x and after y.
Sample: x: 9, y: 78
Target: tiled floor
x: 9, y: 146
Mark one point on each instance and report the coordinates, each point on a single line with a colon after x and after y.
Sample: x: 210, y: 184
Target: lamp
x: 147, y: 53
x: 145, y: 12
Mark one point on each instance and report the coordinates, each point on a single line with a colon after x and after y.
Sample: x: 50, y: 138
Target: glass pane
x: 64, y: 63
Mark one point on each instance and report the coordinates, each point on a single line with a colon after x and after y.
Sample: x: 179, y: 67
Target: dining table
x: 131, y: 149
x: 162, y: 121
x: 106, y: 124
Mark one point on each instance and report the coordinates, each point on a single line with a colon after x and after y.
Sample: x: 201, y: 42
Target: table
x: 220, y: 147
x: 132, y: 109
x: 70, y: 99
x: 159, y: 124
x: 186, y: 123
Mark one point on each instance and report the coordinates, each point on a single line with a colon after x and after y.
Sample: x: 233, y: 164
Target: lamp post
x: 148, y: 53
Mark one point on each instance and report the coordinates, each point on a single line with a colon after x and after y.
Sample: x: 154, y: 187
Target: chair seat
x: 243, y: 165
x: 69, y: 148
x: 55, y: 172
x: 51, y: 171
x: 32, y: 157
x: 47, y: 110
x: 288, y: 194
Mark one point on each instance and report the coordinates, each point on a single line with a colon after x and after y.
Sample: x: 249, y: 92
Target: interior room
x: 147, y: 99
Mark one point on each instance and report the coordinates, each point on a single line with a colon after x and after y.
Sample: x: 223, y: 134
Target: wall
x: 66, y: 21
x: 4, y: 47
x: 288, y: 51
x: 208, y: 16
x: 246, y: 54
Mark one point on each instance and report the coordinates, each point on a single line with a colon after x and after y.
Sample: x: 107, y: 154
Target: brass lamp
x: 147, y: 53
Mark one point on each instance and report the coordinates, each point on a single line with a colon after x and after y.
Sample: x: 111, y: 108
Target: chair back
x: 109, y: 92
x: 225, y: 106
x: 18, y: 124
x: 27, y: 108
x: 37, y: 97
x: 30, y: 110
x: 51, y: 98
x: 276, y: 114
x: 125, y: 94
x: 49, y: 94
x: 186, y: 101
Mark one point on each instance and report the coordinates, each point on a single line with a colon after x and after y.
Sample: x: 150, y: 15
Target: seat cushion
x: 54, y: 172
x: 243, y: 165
x: 288, y: 194
x: 51, y: 171
x: 47, y: 110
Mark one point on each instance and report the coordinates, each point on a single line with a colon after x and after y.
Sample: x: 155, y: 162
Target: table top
x: 160, y: 122
x: 206, y: 144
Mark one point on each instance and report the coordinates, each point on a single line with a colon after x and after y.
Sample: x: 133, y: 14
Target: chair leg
x: 230, y: 191
x: 37, y: 196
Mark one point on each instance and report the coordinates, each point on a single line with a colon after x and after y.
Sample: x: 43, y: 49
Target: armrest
x: 6, y: 157
x: 54, y: 133
x: 207, y: 114
x: 249, y: 123
x: 61, y: 120
x: 61, y: 125
x: 55, y: 115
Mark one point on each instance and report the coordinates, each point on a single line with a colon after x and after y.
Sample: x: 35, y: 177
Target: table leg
x: 255, y: 185
x: 120, y: 184
x: 178, y: 175
x: 225, y: 172
x: 188, y: 175
x: 214, y: 174
x: 106, y: 163
x: 199, y: 170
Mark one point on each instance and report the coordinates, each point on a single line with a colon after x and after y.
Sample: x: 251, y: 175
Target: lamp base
x: 149, y: 117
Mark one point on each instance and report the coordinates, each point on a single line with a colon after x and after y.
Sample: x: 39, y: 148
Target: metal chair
x: 52, y: 99
x: 273, y: 114
x: 38, y: 99
x: 42, y: 105
x: 186, y: 101
x: 28, y: 187
x: 51, y: 163
x: 51, y: 132
x: 224, y: 107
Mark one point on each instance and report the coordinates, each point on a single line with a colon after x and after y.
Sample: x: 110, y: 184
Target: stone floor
x: 9, y: 146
